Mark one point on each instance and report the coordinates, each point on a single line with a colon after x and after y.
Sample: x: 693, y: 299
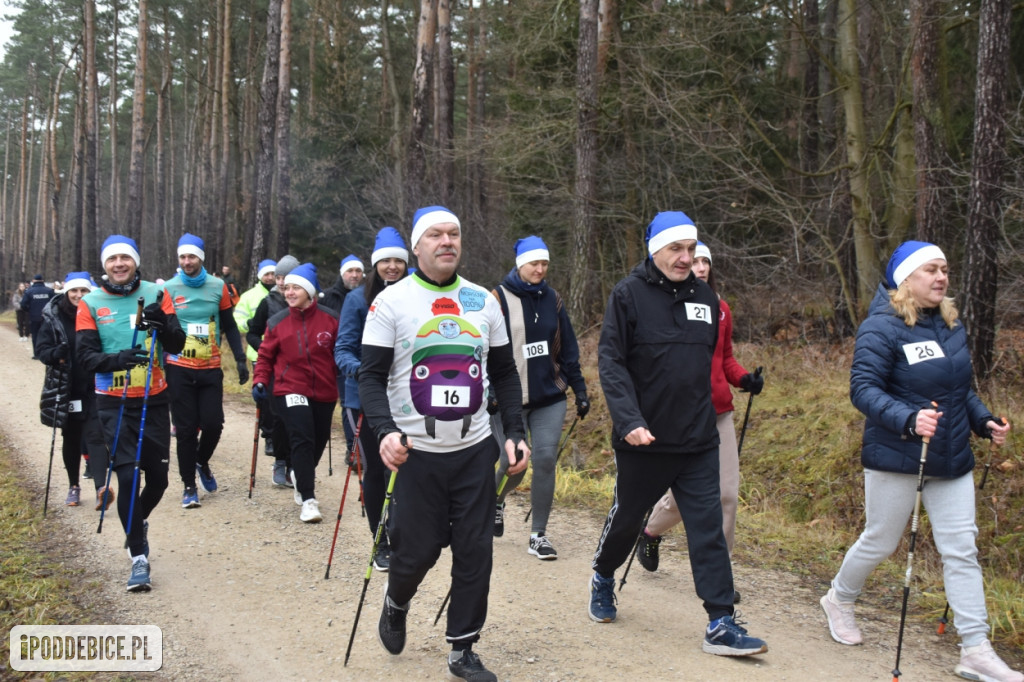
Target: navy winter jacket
x: 35, y: 299
x: 897, y: 371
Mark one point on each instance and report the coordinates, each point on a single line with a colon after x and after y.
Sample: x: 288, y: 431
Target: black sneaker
x: 726, y: 637
x: 647, y: 551
x: 542, y: 548
x: 382, y: 557
x: 499, y: 520
x: 466, y: 665
x: 391, y: 628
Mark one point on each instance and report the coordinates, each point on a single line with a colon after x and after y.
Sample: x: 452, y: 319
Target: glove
x: 752, y: 383
x: 61, y: 351
x: 259, y: 392
x: 243, y: 372
x: 582, y: 405
x: 132, y: 357
x: 153, y: 317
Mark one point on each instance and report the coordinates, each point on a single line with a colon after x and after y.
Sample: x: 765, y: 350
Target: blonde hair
x: 903, y: 303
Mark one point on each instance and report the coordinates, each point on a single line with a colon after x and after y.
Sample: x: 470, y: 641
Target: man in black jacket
x: 35, y: 299
x: 654, y: 359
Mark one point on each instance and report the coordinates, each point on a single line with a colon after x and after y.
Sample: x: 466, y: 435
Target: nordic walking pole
x: 444, y: 603
x: 629, y: 564
x: 914, y: 520
x: 746, y: 417
x: 255, y: 449
x: 344, y: 494
x: 359, y: 463
x: 981, y: 486
x: 53, y: 441
x: 373, y: 552
x: 120, y: 414
x: 142, y: 424
x: 330, y: 450
x: 558, y: 454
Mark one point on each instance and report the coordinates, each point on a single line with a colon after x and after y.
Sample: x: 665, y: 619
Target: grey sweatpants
x: 888, y: 505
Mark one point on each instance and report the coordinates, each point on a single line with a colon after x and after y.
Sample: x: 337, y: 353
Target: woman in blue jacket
x: 548, y: 360
x: 910, y: 352
x: 389, y: 263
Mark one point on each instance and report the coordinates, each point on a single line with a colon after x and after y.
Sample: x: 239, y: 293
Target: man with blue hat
x: 203, y: 306
x: 350, y: 276
x: 654, y: 358
x: 126, y: 386
x: 431, y: 345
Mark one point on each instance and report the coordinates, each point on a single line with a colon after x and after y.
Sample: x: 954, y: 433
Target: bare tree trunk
x: 55, y: 183
x: 89, y: 247
x: 607, y: 20
x: 988, y: 163
x: 112, y: 96
x: 476, y: 85
x: 585, y: 192
x: 445, y: 103
x: 284, y: 131
x: 160, y: 171
x: 395, y: 146
x: 267, y: 121
x: 856, y: 145
x: 929, y: 143
x: 421, y: 105
x: 226, y: 233
x: 136, y: 170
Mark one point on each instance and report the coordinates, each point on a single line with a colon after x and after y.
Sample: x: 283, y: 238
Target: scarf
x: 194, y: 282
x: 123, y: 289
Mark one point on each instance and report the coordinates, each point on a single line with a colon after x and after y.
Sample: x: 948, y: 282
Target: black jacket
x: 65, y: 379
x: 35, y: 299
x: 272, y: 304
x: 334, y: 297
x: 654, y: 358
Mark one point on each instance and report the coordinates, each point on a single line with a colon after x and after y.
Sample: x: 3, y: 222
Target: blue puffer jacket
x: 898, y: 370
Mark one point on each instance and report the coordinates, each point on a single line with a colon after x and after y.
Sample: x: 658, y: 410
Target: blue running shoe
x: 190, y: 498
x: 206, y: 478
x: 138, y: 581
x: 602, y: 599
x: 725, y: 637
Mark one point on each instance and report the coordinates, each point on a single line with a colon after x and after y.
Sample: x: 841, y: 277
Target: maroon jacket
x: 297, y: 353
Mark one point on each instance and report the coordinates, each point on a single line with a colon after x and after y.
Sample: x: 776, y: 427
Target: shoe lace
x: 542, y: 541
x: 470, y: 662
x: 734, y: 624
x: 604, y: 591
x: 651, y: 545
x: 499, y: 514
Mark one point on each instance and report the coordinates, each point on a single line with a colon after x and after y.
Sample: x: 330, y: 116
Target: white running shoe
x: 983, y: 664
x: 841, y: 622
x: 310, y: 512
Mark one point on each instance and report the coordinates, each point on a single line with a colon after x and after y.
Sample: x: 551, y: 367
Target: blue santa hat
x: 907, y: 257
x: 427, y: 217
x: 118, y: 244
x: 702, y: 251
x: 389, y: 244
x: 305, y: 276
x: 189, y: 243
x: 529, y: 249
x: 351, y: 261
x: 265, y: 267
x: 79, y: 280
x: 668, y: 227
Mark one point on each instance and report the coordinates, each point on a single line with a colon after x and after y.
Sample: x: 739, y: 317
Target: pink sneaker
x: 841, y: 622
x: 982, y: 663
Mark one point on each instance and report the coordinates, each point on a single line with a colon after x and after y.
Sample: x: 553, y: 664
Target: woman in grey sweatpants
x: 911, y: 351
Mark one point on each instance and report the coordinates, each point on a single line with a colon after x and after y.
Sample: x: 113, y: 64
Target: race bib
x: 449, y: 396
x: 198, y: 330
x: 698, y: 312
x: 922, y: 351
x: 75, y: 406
x: 296, y: 400
x: 535, y: 350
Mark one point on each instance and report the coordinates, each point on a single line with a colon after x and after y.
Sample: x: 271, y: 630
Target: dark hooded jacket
x: 65, y: 379
x: 897, y: 371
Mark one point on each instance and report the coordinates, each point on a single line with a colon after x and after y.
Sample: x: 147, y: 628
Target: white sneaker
x: 983, y: 664
x: 841, y: 622
x: 310, y: 512
x: 296, y: 495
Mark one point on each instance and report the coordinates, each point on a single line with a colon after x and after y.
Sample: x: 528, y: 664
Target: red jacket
x: 725, y: 369
x: 298, y: 354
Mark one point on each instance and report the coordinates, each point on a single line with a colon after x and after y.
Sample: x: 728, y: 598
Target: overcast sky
x: 5, y: 26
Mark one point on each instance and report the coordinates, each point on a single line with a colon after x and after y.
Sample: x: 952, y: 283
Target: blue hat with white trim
x: 79, y: 280
x: 351, y: 261
x: 907, y: 257
x: 266, y: 267
x: 305, y: 276
x: 389, y: 244
x: 668, y: 227
x: 529, y: 249
x: 702, y: 251
x: 118, y: 244
x: 191, y: 244
x: 427, y: 217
